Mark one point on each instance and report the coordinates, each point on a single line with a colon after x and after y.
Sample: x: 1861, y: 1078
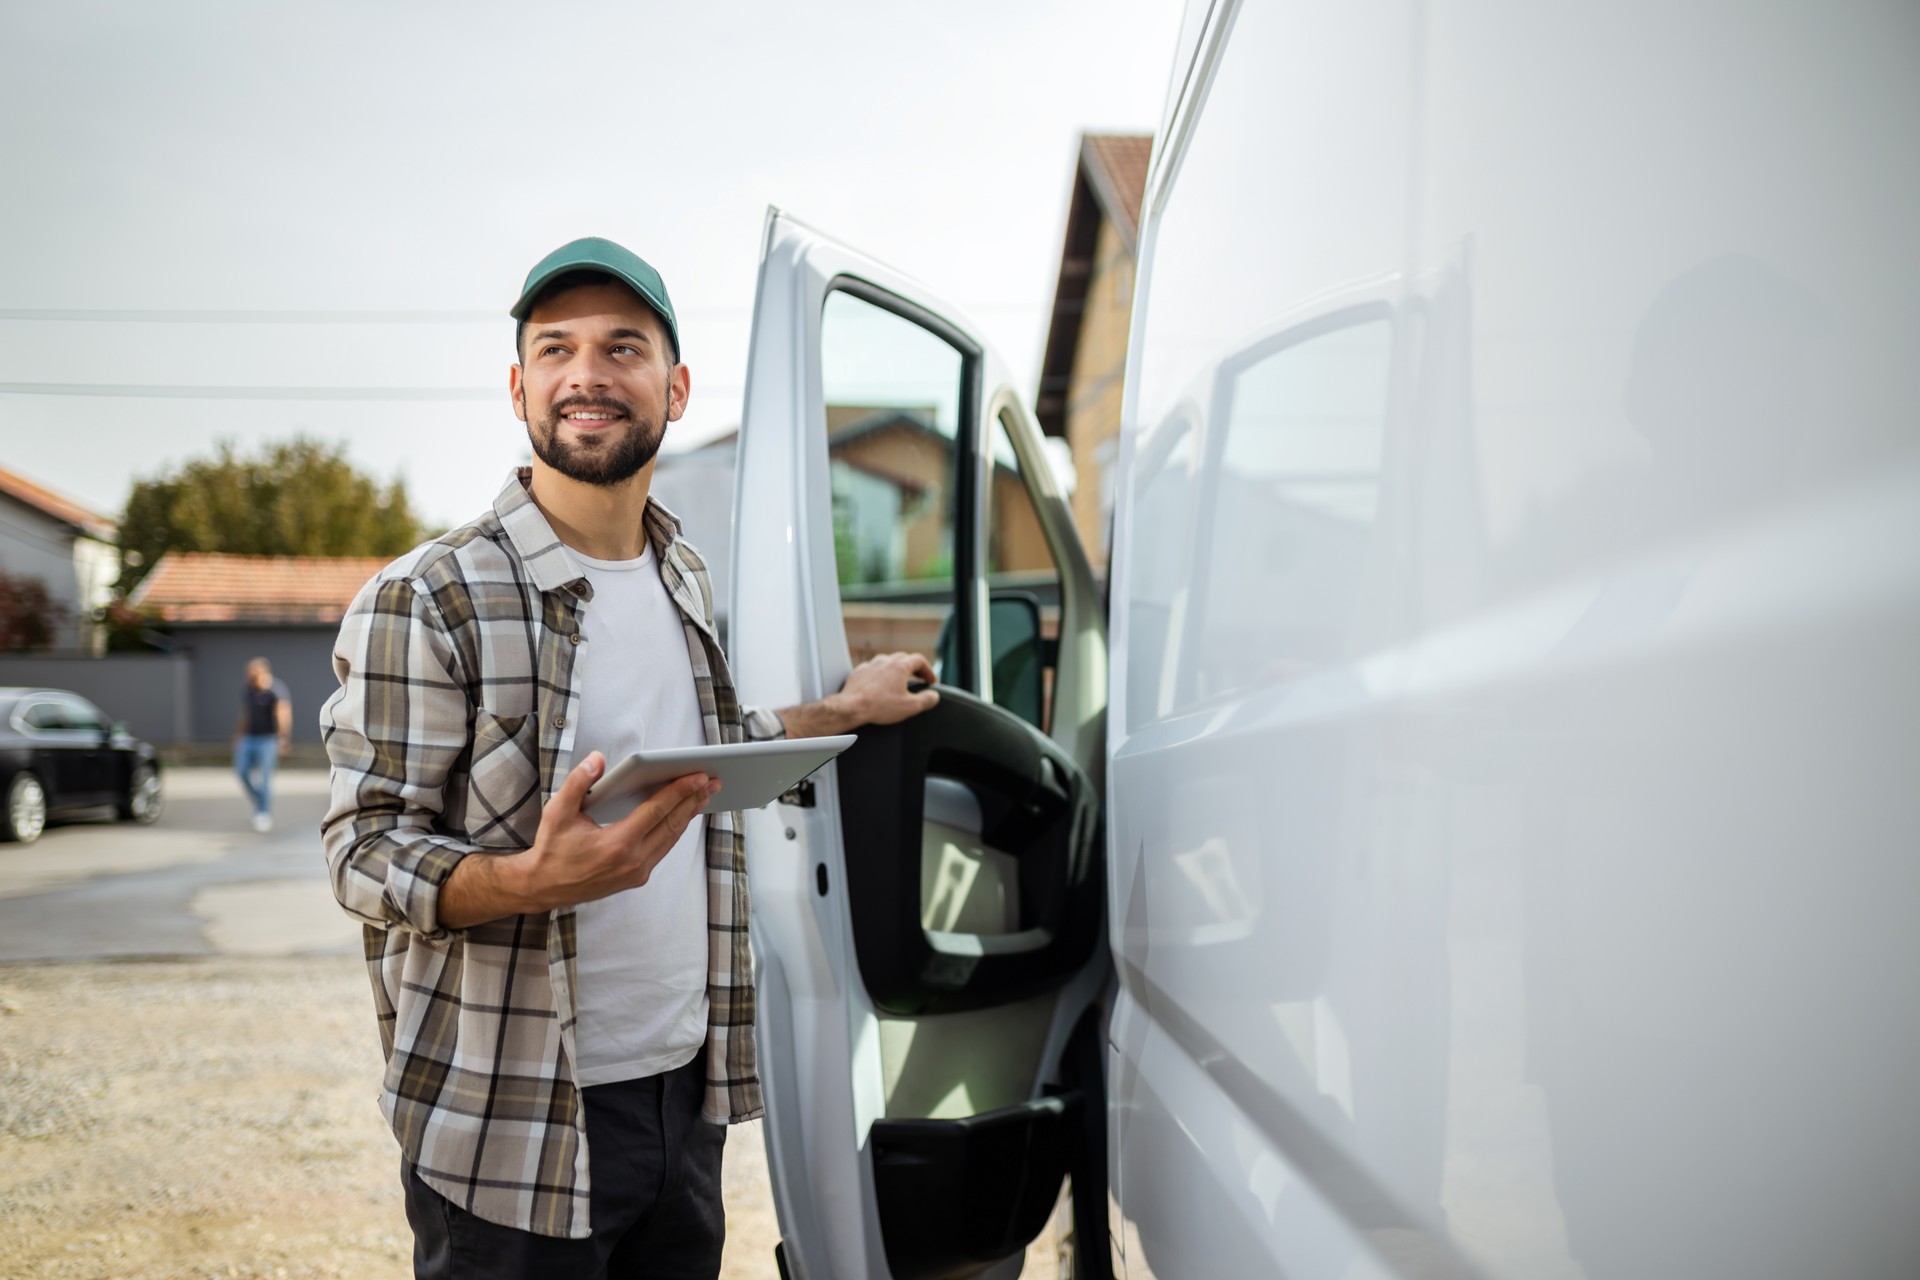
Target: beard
x: 605, y: 459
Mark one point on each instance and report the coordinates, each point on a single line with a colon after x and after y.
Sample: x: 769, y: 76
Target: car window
x: 81, y: 714
x: 1023, y: 585
x: 43, y: 715
x: 893, y: 390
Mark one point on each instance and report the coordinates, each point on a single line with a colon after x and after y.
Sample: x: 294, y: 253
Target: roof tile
x: 207, y: 586
x: 90, y: 523
x: 1118, y: 164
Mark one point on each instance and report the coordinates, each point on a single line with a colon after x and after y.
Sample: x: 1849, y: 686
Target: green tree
x: 296, y: 497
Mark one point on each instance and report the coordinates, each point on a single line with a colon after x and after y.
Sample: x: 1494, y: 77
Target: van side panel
x: 1516, y: 621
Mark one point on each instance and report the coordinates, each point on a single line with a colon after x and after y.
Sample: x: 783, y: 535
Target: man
x: 260, y: 737
x: 561, y: 1003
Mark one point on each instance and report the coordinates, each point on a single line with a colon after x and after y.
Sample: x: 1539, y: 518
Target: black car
x: 59, y: 754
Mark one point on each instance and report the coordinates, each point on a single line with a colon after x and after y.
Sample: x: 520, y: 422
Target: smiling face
x: 597, y: 383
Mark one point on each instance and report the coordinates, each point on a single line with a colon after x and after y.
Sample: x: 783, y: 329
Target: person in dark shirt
x: 260, y: 737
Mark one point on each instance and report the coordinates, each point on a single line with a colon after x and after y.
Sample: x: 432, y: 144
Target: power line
x: 158, y: 392
x: 260, y: 317
x: 186, y: 392
x: 499, y: 317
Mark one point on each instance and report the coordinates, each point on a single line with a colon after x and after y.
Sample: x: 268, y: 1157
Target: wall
x: 1093, y: 389
x: 301, y: 657
x: 150, y: 692
x: 34, y: 545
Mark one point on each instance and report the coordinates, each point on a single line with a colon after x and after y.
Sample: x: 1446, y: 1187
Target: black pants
x: 655, y: 1203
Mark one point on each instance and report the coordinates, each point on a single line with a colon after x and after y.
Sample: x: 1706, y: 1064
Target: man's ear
x: 679, y: 387
x: 517, y: 392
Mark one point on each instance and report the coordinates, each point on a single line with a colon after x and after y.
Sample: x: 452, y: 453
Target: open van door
x: 928, y: 912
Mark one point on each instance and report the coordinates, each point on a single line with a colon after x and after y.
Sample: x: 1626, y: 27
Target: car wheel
x: 25, y: 816
x: 144, y: 799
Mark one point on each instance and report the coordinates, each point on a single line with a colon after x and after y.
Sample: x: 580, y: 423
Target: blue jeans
x: 253, y: 760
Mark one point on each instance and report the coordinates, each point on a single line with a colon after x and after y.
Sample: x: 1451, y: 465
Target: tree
x: 295, y: 498
x: 29, y: 617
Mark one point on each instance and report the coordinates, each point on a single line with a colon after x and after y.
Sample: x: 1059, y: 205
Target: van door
x: 928, y: 913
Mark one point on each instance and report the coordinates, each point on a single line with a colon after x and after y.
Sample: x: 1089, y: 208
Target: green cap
x: 591, y: 253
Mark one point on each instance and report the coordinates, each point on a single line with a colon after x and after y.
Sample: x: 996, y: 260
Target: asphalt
x: 198, y: 882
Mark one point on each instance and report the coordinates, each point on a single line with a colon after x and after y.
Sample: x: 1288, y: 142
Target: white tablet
x: 752, y: 774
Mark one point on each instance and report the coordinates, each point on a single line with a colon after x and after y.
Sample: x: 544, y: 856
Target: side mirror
x: 1013, y: 627
x: 1018, y: 653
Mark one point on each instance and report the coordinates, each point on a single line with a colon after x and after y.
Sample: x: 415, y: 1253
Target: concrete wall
x: 150, y: 692
x: 193, y: 694
x: 301, y: 657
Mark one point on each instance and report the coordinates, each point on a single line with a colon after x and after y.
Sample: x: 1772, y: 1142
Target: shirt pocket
x: 503, y: 781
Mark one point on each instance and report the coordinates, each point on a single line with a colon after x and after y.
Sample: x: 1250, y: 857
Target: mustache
x: 600, y: 404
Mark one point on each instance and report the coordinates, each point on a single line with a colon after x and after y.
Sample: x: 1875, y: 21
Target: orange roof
x: 66, y: 510
x: 208, y: 586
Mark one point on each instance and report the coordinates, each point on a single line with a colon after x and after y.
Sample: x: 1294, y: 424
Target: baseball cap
x: 591, y: 253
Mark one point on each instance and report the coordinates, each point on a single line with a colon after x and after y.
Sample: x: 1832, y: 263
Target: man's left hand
x: 875, y: 692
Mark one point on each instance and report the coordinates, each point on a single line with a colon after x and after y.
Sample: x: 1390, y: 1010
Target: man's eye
x: 547, y: 351
x: 624, y: 349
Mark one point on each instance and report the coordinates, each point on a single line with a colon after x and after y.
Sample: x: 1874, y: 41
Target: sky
x: 241, y: 221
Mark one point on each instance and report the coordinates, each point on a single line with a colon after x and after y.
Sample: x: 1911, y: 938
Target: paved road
x: 197, y: 882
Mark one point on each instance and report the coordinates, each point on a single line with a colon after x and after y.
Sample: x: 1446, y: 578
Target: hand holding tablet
x: 751, y: 774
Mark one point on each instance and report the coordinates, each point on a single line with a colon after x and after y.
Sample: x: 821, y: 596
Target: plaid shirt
x: 452, y: 725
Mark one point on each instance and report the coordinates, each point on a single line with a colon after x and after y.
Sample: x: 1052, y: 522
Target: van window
x: 1290, y: 496
x: 1023, y: 586
x: 1160, y: 540
x: 893, y: 391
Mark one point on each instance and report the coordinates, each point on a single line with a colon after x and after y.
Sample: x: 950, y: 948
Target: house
x: 1085, y: 356
x: 72, y: 550
x: 224, y: 610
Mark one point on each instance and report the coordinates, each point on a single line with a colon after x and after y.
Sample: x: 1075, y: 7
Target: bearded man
x: 566, y: 1009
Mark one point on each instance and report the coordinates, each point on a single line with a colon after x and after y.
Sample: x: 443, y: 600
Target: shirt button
x: 576, y: 637
x: 559, y: 722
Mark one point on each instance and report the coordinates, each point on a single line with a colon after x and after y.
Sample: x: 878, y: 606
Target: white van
x: 1480, y: 833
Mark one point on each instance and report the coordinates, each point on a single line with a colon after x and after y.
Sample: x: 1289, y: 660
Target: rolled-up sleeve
x: 758, y: 724
x: 393, y: 731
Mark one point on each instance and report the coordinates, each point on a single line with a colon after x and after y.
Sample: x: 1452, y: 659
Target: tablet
x: 752, y: 774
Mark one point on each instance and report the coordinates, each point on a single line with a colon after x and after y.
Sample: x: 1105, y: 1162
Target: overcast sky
x: 361, y: 160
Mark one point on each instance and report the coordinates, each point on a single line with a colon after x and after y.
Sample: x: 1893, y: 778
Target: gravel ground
x: 217, y: 1118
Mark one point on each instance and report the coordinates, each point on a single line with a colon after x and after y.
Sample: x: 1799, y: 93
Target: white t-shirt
x: 642, y: 998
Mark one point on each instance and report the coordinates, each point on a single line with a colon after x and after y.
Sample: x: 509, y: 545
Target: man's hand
x: 574, y: 859
x: 875, y: 693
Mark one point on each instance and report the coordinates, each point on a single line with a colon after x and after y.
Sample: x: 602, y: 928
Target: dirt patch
x: 217, y: 1118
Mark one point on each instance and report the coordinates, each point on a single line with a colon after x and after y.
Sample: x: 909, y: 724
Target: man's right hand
x: 574, y: 859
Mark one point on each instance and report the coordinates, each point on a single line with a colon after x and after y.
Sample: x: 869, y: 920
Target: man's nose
x: 588, y: 369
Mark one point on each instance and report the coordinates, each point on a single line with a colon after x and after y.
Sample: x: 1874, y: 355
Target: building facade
x: 1085, y: 359
x: 74, y: 551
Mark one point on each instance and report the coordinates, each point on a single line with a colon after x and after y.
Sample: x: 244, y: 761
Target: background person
x: 261, y: 736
